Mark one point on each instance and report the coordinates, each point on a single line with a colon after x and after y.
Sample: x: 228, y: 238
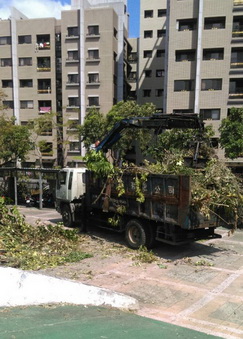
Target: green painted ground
x: 70, y: 322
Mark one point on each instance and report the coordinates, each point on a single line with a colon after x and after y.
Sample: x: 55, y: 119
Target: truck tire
x: 67, y: 216
x: 138, y: 235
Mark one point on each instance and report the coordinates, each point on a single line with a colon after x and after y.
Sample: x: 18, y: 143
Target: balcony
x: 44, y: 90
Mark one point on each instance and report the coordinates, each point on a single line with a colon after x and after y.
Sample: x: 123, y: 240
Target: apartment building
x: 200, y: 43
x: 65, y: 66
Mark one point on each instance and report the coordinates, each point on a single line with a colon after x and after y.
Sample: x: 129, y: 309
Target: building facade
x: 64, y: 66
x: 201, y: 67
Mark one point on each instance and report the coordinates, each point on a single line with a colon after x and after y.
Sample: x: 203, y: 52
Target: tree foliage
x: 231, y: 133
x: 15, y: 142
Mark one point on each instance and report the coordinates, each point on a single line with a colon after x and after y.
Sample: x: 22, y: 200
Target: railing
x: 236, y: 95
x: 236, y: 64
x: 44, y: 109
x: 46, y: 90
x: 43, y: 69
x: 237, y: 34
x: 43, y: 45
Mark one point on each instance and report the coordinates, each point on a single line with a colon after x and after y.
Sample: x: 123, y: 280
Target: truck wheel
x: 67, y: 216
x: 137, y: 235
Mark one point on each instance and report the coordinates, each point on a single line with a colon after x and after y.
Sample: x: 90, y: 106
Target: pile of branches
x: 35, y: 247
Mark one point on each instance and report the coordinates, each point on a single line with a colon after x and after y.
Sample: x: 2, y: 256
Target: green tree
x: 15, y: 141
x: 93, y: 128
x: 231, y: 133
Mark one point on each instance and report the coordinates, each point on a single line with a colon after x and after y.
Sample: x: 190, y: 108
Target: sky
x: 53, y: 8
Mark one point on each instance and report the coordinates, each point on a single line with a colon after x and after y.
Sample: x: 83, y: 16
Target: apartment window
x: 160, y: 73
x: 8, y: 104
x: 74, y: 146
x: 93, y: 30
x: 73, y: 78
x: 213, y: 54
x: 24, y: 39
x: 73, y: 55
x: 183, y: 85
x: 44, y: 106
x: 148, y: 34
x: 25, y: 61
x: 147, y: 54
x: 7, y: 83
x: 93, y: 101
x: 73, y: 102
x: 93, y: 78
x: 237, y: 57
x: 44, y: 86
x: 5, y: 62
x: 26, y: 83
x: 43, y: 41
x: 182, y: 111
x: 211, y: 84
x: 147, y: 93
x: 210, y: 114
x: 45, y: 128
x: 159, y: 92
x: 161, y: 12
x: 5, y: 40
x: 148, y: 13
x: 187, y: 24
x: 185, y: 55
x: 214, y: 23
x: 43, y: 64
x: 133, y: 57
x: 160, y: 53
x: 132, y: 76
x: 236, y: 87
x: 161, y: 33
x: 73, y: 31
x: 148, y: 73
x: 27, y: 104
x: 93, y: 54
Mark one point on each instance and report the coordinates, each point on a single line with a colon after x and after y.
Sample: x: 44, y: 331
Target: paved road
x: 73, y: 322
x: 199, y: 287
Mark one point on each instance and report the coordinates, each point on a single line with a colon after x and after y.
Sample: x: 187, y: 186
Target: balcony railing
x: 43, y: 45
x: 43, y: 69
x: 236, y: 64
x: 237, y: 34
x: 236, y: 95
x: 45, y: 90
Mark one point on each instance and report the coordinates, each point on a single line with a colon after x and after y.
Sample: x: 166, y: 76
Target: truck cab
x: 69, y: 191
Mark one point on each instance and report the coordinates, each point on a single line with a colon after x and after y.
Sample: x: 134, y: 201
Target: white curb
x: 19, y: 288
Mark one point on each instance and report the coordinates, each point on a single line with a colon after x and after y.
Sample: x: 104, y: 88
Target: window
x: 210, y: 114
x: 161, y: 12
x: 26, y: 83
x: 148, y: 34
x: 160, y: 53
x: 237, y: 57
x: 93, y: 54
x: 73, y: 55
x: 148, y: 13
x: 93, y: 101
x: 44, y: 106
x: 43, y: 41
x: 5, y: 40
x: 7, y: 83
x: 44, y: 86
x: 147, y: 93
x: 43, y: 64
x: 24, y: 39
x: 45, y: 128
x: 211, y: 84
x: 8, y: 104
x: 214, y: 23
x: 93, y: 30
x: 73, y: 31
x: 184, y: 85
x: 73, y: 102
x: 74, y: 146
x: 133, y: 57
x: 148, y: 73
x: 160, y: 73
x: 185, y: 55
x: 73, y: 79
x: 183, y: 111
x: 27, y: 104
x: 161, y: 33
x: 236, y: 87
x: 115, y: 33
x: 213, y: 54
x: 6, y: 62
x: 187, y: 24
x: 159, y: 92
x: 147, y: 54
x: 93, y: 78
x: 132, y: 76
x: 25, y: 61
